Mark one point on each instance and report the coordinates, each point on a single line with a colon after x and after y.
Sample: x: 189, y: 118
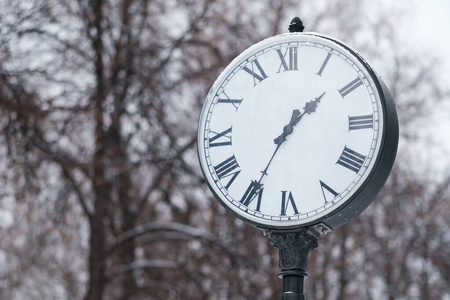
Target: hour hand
x: 296, y: 116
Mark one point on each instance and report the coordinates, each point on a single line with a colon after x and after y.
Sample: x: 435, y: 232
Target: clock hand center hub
x: 296, y: 117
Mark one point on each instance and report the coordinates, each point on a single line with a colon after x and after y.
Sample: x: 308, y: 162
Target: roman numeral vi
x: 285, y: 203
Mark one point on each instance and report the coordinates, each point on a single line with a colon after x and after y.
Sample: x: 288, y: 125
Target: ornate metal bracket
x: 294, y: 246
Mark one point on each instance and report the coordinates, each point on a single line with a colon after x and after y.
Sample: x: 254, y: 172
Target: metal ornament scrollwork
x: 294, y: 248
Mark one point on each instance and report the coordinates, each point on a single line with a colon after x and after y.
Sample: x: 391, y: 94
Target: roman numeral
x: 221, y: 139
x: 350, y: 87
x: 285, y: 203
x: 234, y: 102
x: 226, y: 168
x: 324, y: 64
x: 360, y: 122
x: 351, y: 159
x: 254, y: 189
x: 291, y: 64
x: 329, y: 190
x: 258, y: 75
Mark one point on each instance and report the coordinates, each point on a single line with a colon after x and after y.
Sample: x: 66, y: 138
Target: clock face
x: 291, y: 131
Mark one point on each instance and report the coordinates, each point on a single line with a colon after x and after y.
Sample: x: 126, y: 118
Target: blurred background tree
x: 101, y: 195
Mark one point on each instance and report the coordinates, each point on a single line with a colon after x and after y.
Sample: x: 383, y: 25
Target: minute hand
x: 296, y: 117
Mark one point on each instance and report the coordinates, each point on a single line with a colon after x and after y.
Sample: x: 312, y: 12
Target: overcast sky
x: 431, y: 24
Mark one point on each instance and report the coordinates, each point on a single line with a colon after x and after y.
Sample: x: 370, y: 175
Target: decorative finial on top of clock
x: 296, y: 25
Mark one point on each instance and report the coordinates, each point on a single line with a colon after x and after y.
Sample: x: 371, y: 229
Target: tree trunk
x: 97, y: 255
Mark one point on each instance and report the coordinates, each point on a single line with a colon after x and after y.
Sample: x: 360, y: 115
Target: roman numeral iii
x: 360, y: 122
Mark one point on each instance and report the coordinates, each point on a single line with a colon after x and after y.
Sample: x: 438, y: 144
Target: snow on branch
x: 165, y: 226
x: 147, y: 264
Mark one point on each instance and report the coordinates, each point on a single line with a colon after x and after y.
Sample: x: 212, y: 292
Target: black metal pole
x: 294, y: 246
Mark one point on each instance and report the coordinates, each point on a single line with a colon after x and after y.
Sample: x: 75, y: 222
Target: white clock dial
x: 292, y: 130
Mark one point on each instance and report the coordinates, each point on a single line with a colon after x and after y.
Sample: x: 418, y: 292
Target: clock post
x: 293, y: 246
x: 323, y: 157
